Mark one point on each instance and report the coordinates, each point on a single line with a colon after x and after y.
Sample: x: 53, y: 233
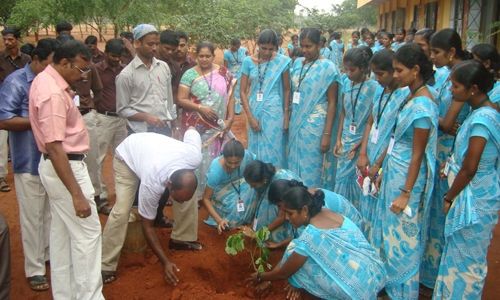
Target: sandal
x: 108, y: 276
x: 182, y: 245
x: 38, y: 283
x: 4, y: 186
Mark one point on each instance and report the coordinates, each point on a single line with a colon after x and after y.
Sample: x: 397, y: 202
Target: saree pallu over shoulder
x: 275, y: 69
x: 339, y: 204
x: 478, y: 201
x: 404, y: 236
x: 308, y: 119
x: 228, y: 189
x: 267, y: 212
x: 340, y: 263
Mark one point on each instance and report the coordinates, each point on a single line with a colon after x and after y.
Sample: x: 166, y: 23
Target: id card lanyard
x: 261, y: 77
x: 353, y: 126
x: 209, y: 84
x: 407, y: 100
x: 240, y: 206
x: 380, y: 111
x: 296, y: 93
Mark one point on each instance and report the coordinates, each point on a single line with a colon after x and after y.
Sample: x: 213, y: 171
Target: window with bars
x: 431, y: 15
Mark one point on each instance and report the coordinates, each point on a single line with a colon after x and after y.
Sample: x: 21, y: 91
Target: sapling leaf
x: 260, y: 269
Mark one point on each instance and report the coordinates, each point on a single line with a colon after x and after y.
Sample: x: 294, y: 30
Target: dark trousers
x: 4, y: 259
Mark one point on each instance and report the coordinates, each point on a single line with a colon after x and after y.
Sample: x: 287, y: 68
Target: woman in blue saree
x: 233, y: 58
x: 472, y: 202
x: 408, y: 175
x: 266, y: 79
x: 488, y: 55
x: 331, y: 259
x: 357, y: 93
x: 446, y: 52
x: 333, y: 201
x: 259, y: 176
x: 386, y: 103
x: 228, y: 199
x: 314, y: 86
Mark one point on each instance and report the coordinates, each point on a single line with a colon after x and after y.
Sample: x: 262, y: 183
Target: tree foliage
x: 342, y: 16
x: 214, y: 20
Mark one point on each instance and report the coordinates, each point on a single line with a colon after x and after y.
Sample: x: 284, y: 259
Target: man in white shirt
x: 162, y: 165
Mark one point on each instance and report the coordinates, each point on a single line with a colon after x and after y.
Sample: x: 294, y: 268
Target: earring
x: 451, y: 58
x: 472, y: 94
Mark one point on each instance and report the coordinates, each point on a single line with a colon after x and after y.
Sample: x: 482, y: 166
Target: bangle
x: 259, y: 278
x: 404, y: 190
x: 326, y: 133
x: 199, y: 107
x: 446, y: 199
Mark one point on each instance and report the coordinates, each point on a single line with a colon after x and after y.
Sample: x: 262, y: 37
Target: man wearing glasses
x: 61, y: 136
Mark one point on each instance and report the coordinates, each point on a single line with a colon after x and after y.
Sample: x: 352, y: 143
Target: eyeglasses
x: 82, y: 72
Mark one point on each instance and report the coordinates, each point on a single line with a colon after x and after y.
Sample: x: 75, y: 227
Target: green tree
x: 342, y: 16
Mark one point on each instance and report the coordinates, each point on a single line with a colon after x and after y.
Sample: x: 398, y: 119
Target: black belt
x: 71, y: 156
x: 84, y: 111
x: 108, y: 113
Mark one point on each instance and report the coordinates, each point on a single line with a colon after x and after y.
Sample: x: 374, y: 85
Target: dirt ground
x: 208, y: 274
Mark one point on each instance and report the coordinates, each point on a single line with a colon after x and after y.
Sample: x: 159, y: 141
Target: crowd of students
x: 373, y: 167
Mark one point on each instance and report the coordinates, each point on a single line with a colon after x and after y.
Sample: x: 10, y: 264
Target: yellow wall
x: 443, y: 14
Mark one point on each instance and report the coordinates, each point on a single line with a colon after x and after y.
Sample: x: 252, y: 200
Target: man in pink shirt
x: 61, y: 136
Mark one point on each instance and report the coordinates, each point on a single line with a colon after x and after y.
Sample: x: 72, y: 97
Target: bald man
x: 164, y: 166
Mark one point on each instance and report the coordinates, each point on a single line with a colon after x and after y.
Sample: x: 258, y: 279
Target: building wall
x: 443, y: 12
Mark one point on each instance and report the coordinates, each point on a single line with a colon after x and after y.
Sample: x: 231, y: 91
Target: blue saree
x: 268, y: 144
x: 228, y: 189
x: 234, y: 62
x: 342, y: 206
x: 371, y: 206
x: 435, y: 239
x: 308, y: 120
x: 266, y: 212
x: 473, y: 214
x: 345, y: 178
x: 340, y: 263
x: 403, y: 236
x: 494, y: 94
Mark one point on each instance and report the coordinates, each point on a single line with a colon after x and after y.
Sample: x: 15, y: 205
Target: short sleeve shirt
x: 53, y: 114
x: 154, y: 158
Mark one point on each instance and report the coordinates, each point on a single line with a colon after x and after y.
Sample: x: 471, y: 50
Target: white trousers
x: 4, y: 153
x: 34, y: 217
x: 111, y: 131
x: 93, y: 153
x: 75, y: 243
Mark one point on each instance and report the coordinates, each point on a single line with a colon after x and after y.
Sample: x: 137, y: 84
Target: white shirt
x: 153, y: 158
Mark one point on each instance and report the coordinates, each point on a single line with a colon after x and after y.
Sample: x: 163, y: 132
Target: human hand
x: 400, y: 203
x: 263, y: 289
x: 292, y: 293
x: 454, y: 129
x: 337, y: 150
x: 254, y: 124
x: 208, y: 113
x: 325, y: 143
x: 155, y: 121
x: 222, y: 225
x: 169, y: 270
x: 373, y: 172
x: 82, y: 207
x: 362, y: 163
